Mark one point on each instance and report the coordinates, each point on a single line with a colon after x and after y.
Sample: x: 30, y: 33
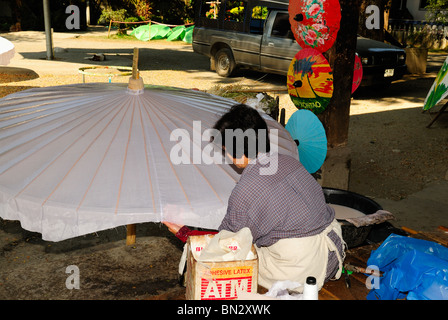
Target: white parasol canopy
x: 6, y: 51
x: 82, y: 158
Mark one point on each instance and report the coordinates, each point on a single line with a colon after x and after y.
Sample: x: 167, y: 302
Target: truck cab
x: 257, y: 34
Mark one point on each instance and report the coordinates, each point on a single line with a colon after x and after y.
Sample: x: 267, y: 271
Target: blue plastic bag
x: 414, y: 269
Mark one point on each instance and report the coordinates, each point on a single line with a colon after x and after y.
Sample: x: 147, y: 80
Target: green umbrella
x: 141, y: 33
x: 188, y: 35
x: 177, y: 33
x: 158, y: 31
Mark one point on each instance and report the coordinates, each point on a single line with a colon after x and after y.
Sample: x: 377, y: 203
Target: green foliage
x: 143, y: 9
x: 173, y: 11
x: 437, y: 11
x: 115, y: 15
x: 131, y: 19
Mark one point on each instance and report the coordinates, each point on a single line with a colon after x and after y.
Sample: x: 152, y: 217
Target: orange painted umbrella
x: 310, y: 80
x: 315, y: 23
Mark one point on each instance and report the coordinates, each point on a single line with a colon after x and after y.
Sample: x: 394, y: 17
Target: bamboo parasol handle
x: 135, y: 82
x: 135, y: 74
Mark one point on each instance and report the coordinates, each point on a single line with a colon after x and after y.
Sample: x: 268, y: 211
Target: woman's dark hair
x: 243, y: 130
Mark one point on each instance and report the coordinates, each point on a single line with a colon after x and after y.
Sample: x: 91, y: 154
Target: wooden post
x: 134, y: 83
x: 135, y: 64
x: 442, y: 110
x: 110, y: 26
x: 48, y: 35
x: 130, y: 234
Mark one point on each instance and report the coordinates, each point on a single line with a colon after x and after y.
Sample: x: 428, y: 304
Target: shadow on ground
x: 108, y: 269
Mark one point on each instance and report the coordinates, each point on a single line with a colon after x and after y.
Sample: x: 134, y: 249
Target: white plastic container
x: 310, y: 291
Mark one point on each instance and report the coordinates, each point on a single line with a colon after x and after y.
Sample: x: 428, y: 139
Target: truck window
x: 234, y: 15
x: 209, y: 9
x: 235, y: 11
x: 208, y: 13
x: 281, y: 27
x: 258, y: 17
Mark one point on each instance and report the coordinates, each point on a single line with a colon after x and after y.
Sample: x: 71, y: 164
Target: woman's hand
x: 172, y: 227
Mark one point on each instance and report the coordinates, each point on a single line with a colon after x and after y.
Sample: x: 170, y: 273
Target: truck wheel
x: 224, y: 62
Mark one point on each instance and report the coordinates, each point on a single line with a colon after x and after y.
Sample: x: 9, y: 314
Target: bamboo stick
x: 110, y: 26
x: 130, y: 234
x: 135, y: 74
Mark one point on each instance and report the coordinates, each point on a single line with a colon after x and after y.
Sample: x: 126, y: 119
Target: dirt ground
x: 393, y: 156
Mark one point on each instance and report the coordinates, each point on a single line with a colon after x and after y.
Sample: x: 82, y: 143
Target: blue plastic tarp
x: 412, y: 268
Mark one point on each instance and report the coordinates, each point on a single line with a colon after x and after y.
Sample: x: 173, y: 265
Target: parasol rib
x: 200, y: 172
x: 79, y: 158
x: 125, y: 158
x: 145, y: 145
x: 57, y: 119
x: 105, y: 153
x: 64, y: 133
x: 168, y: 159
x: 30, y: 113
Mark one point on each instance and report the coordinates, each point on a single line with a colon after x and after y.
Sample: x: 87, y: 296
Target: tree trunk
x: 341, y: 56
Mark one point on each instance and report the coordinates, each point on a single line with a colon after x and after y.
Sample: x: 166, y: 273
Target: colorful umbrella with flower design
x: 315, y: 23
x: 310, y: 80
x: 357, y: 73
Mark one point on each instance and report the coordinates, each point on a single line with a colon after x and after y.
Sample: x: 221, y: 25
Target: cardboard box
x: 220, y: 280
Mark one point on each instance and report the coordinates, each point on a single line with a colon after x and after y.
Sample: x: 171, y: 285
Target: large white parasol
x: 6, y: 51
x: 81, y: 158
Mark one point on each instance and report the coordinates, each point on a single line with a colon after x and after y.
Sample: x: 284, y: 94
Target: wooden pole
x: 110, y: 26
x: 133, y: 84
x: 135, y: 64
x: 442, y: 110
x: 130, y: 234
x: 48, y: 36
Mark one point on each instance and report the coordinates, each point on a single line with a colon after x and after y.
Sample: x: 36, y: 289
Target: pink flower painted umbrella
x: 357, y: 73
x: 6, y: 51
x: 315, y: 23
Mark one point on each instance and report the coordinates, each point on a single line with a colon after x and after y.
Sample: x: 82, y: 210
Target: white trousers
x: 295, y: 259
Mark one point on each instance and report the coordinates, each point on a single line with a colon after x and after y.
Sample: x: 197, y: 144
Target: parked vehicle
x: 257, y: 35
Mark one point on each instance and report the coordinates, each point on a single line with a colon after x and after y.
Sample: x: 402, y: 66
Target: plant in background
x: 108, y: 15
x: 143, y: 9
x: 437, y: 11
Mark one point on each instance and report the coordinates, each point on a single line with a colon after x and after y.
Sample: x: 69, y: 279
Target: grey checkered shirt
x: 285, y: 203
x: 288, y: 203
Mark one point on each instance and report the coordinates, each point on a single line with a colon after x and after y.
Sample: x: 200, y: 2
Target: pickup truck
x: 268, y: 45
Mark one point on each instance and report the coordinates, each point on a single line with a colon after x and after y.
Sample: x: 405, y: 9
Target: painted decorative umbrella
x: 309, y: 135
x: 439, y: 89
x: 357, y: 73
x: 7, y: 51
x: 310, y: 80
x: 82, y: 158
x: 315, y: 23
